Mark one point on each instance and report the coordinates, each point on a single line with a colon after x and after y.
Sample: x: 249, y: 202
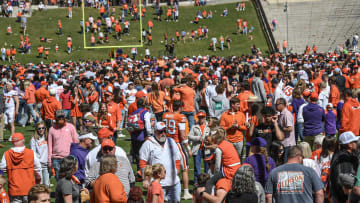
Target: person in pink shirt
x: 60, y: 137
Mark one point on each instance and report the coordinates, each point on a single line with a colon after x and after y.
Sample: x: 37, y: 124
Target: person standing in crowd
x: 257, y: 87
x: 268, y: 127
x: 349, y: 111
x: 233, y: 121
x: 80, y: 151
x: 67, y: 189
x: 76, y: 100
x: 210, y: 90
x: 286, y: 122
x: 49, y: 106
x: 22, y: 167
x: 39, y: 194
x: 197, y: 136
x: 218, y: 103
x: 175, y: 126
x: 61, y: 135
x: 40, y: 95
x: 108, y: 187
x: 344, y: 161
x: 162, y: 149
x: 260, y: 160
x: 11, y: 107
x: 277, y: 152
x: 65, y: 101
x: 155, y: 192
x: 188, y: 98
x: 124, y: 171
x: 293, y: 182
x: 156, y: 99
x: 114, y: 109
x: 39, y: 145
x: 29, y: 97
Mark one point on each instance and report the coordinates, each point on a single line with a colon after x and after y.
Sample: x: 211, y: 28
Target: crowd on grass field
x: 280, y: 128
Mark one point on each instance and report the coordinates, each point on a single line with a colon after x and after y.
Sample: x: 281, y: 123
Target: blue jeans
x: 299, y: 127
x: 29, y: 110
x: 123, y: 116
x: 190, y: 117
x: 197, y: 164
x: 173, y: 193
x: 56, y: 165
x: 22, y: 106
x: 45, y: 177
x: 67, y: 113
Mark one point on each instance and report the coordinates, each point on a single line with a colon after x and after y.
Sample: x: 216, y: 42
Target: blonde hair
x: 263, y: 151
x: 36, y: 135
x: 219, y: 135
x: 306, y: 149
x: 154, y: 170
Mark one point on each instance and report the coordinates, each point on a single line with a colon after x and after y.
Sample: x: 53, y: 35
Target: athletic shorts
x: 9, y: 115
x: 184, y: 157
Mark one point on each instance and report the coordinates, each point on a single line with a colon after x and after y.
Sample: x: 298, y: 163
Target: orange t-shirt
x: 187, y: 97
x: 114, y: 110
x: 4, y: 198
x: 228, y: 119
x: 108, y: 188
x: 155, y: 189
x: 157, y: 103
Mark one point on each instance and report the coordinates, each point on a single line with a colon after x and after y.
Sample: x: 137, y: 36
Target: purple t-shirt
x: 257, y: 161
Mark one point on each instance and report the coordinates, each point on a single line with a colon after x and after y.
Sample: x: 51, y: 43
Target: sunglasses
x: 41, y: 128
x: 88, y: 121
x: 60, y: 117
x: 107, y: 149
x: 162, y: 131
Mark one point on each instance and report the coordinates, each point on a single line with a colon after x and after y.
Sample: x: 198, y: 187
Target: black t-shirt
x: 267, y: 132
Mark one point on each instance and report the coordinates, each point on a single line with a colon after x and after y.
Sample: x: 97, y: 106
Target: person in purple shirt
x: 79, y: 151
x: 330, y: 120
x: 259, y: 160
x: 313, y: 116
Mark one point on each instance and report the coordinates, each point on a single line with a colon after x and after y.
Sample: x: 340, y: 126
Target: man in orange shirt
x: 167, y: 81
x: 49, y: 106
x: 350, y: 114
x: 29, y: 97
x: 233, y: 121
x: 334, y: 92
x: 20, y: 163
x: 175, y: 126
x: 114, y: 110
x: 40, y: 95
x: 188, y: 98
x: 356, y: 77
x: 244, y: 96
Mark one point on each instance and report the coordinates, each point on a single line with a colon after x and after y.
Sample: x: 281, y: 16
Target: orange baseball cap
x: 17, y: 137
x: 140, y: 94
x: 167, y: 74
x: 306, y: 93
x: 104, y: 133
x: 201, y: 114
x: 43, y: 83
x: 107, y: 143
x: 314, y: 95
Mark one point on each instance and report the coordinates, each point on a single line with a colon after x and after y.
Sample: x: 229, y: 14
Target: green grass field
x: 122, y: 142
x: 45, y: 24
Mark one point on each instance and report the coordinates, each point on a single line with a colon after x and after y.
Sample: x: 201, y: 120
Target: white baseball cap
x: 160, y: 126
x: 348, y: 137
x: 88, y: 135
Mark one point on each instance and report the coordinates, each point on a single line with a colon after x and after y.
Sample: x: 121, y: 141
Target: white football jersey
x: 9, y: 99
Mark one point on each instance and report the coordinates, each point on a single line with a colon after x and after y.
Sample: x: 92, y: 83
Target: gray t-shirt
x: 66, y: 187
x: 293, y: 183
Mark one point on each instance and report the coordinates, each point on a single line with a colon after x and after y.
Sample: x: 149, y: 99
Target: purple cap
x: 258, y: 141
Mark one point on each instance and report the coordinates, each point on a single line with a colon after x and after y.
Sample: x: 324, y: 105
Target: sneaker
x: 187, y: 196
x: 121, y: 135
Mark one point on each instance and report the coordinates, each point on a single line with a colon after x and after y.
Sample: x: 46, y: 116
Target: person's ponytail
x: 264, y: 152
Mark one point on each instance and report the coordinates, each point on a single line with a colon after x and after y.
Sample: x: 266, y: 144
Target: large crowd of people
x: 258, y: 128
x: 276, y: 128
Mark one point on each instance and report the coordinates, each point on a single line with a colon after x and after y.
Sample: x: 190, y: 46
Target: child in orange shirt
x: 4, y: 198
x: 155, y: 192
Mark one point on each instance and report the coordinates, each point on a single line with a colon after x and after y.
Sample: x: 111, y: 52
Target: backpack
x: 135, y: 123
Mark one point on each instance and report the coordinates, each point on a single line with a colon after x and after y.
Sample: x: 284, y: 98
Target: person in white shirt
x: 130, y: 93
x: 210, y: 90
x: 162, y: 149
x: 11, y: 107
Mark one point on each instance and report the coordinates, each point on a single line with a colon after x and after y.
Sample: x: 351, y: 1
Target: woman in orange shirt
x: 76, y: 100
x: 93, y: 100
x: 105, y: 120
x: 156, y: 100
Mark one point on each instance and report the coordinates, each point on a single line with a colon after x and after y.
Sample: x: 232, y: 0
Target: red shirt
x: 65, y: 100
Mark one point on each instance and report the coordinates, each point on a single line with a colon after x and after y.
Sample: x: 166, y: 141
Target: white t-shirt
x: 9, y: 99
x: 131, y: 93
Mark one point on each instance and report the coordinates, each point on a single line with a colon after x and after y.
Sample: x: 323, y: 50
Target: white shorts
x: 9, y: 115
x: 184, y: 157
